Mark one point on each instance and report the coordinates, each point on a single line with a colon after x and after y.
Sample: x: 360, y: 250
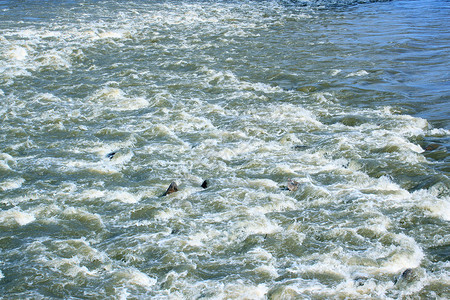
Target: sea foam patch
x: 122, y: 196
x: 14, y: 217
x: 91, y: 220
x: 11, y: 184
x: 241, y: 290
x: 358, y: 73
x: 134, y: 277
x: 116, y: 99
x: 434, y: 201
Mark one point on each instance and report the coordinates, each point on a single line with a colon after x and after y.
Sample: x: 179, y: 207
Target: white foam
x: 409, y: 256
x: 23, y: 218
x: 6, y: 161
x: 135, y: 277
x: 12, y: 184
x: 226, y: 154
x: 294, y: 231
x: 190, y: 123
x: 92, y: 194
x: 12, y: 72
x: 70, y: 266
x: 358, y: 73
x: 441, y: 209
x: 240, y: 290
x: 87, y: 218
x: 323, y: 97
x: 334, y: 72
x: 261, y: 255
x: 53, y: 59
x: 431, y: 201
x: 17, y: 53
x: 123, y: 196
x: 257, y: 225
x: 438, y: 132
x: 102, y: 149
x: 14, y: 216
x: 131, y: 104
x: 122, y: 293
x: 327, y: 265
x: 1, y: 275
x: 239, y: 149
x: 266, y: 271
x: 262, y: 183
x: 229, y: 79
x: 99, y: 168
x: 379, y: 224
x: 291, y: 114
x: 167, y: 214
x: 111, y: 35
x: 47, y: 98
x: 288, y: 138
x: 260, y: 87
x: 103, y: 169
x: 196, y: 240
x: 116, y: 99
x: 385, y: 186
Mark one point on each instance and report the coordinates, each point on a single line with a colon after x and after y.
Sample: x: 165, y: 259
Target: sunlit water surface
x: 105, y: 103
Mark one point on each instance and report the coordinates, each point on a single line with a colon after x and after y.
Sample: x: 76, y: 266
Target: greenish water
x: 105, y: 103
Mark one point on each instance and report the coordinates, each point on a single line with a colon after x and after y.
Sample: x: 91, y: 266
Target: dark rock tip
x: 205, y: 184
x: 173, y: 187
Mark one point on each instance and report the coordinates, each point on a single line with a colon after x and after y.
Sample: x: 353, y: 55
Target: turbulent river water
x: 104, y: 103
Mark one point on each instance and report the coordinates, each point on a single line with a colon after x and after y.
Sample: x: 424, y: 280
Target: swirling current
x: 309, y: 142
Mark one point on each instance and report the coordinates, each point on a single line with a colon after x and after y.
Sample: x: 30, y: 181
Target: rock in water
x: 111, y: 155
x: 432, y: 147
x: 205, y: 184
x: 173, y: 187
x: 406, y: 276
x: 292, y: 185
x: 361, y: 280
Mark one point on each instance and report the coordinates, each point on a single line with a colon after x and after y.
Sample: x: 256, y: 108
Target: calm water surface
x: 105, y: 103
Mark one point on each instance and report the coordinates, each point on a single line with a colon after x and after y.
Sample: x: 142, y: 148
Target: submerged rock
x: 432, y: 147
x: 300, y: 147
x: 173, y: 187
x: 361, y: 280
x: 406, y: 276
x: 292, y: 185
